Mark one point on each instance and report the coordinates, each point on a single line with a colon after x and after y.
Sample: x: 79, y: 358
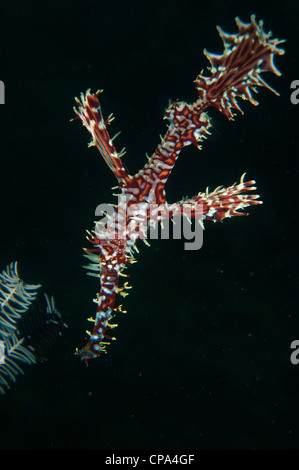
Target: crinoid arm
x: 15, y: 298
x: 19, y: 338
x: 42, y: 325
x: 15, y: 353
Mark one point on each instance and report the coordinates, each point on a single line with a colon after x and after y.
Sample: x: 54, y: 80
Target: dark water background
x: 202, y: 360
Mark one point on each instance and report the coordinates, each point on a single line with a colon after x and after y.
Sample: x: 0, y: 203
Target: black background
x: 202, y: 359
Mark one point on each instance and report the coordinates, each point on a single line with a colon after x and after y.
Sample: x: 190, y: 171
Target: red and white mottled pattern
x: 234, y: 74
